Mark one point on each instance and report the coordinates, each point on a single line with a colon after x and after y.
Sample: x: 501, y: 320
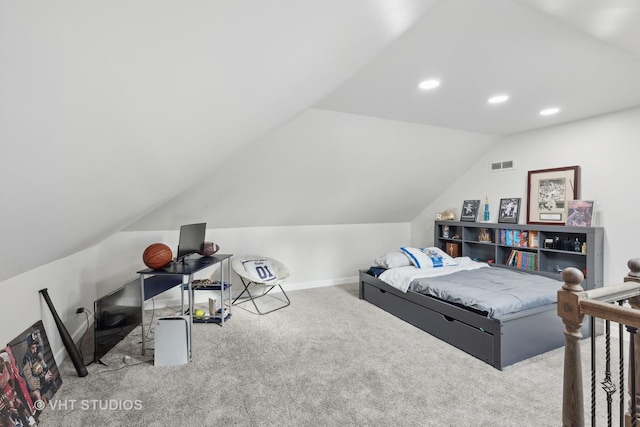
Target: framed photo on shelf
x: 549, y: 192
x: 470, y: 210
x: 580, y: 213
x: 509, y: 210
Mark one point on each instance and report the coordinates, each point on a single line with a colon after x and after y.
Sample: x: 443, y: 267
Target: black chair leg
x: 253, y: 298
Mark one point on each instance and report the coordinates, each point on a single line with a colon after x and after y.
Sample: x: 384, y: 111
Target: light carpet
x: 329, y: 359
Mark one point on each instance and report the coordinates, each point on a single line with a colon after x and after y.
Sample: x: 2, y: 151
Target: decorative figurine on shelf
x: 447, y: 215
x: 486, y: 209
x: 484, y: 235
x: 577, y: 246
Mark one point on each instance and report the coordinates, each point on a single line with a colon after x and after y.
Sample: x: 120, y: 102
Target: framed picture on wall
x: 470, y: 210
x: 509, y: 210
x: 549, y: 192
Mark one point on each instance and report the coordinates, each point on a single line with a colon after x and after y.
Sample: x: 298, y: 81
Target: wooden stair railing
x: 573, y: 304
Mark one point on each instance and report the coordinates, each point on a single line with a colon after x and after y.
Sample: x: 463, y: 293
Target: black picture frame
x: 509, y: 211
x: 549, y: 192
x: 469, y: 211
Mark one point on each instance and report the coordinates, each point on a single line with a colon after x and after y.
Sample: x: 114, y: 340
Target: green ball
x: 199, y: 313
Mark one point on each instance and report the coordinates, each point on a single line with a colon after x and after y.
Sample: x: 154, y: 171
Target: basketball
x: 157, y: 256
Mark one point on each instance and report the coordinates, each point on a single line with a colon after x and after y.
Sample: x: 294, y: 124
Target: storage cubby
x: 449, y: 232
x: 538, y: 249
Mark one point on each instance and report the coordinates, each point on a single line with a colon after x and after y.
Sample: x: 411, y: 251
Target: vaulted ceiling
x: 109, y: 112
x: 582, y: 57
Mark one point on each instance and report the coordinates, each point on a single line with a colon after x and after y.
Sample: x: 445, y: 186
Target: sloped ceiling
x: 112, y: 112
x: 581, y: 57
x: 108, y: 109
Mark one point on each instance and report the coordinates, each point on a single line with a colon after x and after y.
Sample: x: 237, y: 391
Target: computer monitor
x: 191, y: 240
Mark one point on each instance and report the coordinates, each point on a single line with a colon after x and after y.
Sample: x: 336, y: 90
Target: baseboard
x: 203, y: 296
x: 319, y: 283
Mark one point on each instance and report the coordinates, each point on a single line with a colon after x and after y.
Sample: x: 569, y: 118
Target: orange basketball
x: 157, y: 256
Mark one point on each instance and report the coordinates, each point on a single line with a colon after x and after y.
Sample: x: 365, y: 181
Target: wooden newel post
x: 634, y: 402
x: 569, y: 310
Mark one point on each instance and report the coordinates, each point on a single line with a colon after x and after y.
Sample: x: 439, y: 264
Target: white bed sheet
x: 401, y: 277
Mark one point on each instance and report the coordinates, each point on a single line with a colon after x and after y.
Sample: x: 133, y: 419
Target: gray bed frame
x: 498, y: 342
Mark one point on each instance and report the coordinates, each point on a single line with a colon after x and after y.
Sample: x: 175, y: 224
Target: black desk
x: 154, y: 282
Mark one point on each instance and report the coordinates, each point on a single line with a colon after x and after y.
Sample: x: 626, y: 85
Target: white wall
x: 325, y: 167
x: 316, y: 255
x: 606, y: 149
x: 70, y: 283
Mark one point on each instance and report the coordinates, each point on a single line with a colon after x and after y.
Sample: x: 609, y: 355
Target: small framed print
x: 549, y: 192
x: 580, y: 213
x: 470, y: 210
x: 509, y: 210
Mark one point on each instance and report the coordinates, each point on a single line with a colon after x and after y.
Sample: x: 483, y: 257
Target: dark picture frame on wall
x: 549, y: 192
x: 509, y: 210
x: 470, y: 210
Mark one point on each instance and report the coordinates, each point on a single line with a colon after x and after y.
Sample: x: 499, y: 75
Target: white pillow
x: 428, y: 257
x: 436, y: 251
x: 392, y: 259
x: 260, y: 269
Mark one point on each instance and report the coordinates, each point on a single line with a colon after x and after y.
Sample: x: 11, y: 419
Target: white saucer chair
x: 256, y: 271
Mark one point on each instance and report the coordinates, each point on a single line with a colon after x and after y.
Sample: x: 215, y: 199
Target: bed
x: 499, y: 315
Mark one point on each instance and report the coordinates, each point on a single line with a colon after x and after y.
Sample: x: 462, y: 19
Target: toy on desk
x: 208, y: 249
x: 157, y: 256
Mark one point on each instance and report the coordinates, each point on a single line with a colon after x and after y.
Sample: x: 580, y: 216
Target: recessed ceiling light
x: 549, y: 111
x: 498, y: 99
x: 429, y: 84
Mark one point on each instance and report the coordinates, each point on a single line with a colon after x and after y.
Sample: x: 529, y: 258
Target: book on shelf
x: 509, y: 237
x: 523, y: 260
x: 517, y: 237
x: 521, y: 238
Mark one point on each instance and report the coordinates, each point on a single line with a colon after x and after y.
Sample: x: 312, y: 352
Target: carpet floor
x: 329, y: 359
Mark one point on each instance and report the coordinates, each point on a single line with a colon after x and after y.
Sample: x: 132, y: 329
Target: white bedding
x: 401, y: 277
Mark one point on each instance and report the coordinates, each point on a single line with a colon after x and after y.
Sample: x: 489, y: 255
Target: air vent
x: 501, y: 166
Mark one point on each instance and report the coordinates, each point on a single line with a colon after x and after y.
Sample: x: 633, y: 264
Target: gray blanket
x: 496, y: 291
